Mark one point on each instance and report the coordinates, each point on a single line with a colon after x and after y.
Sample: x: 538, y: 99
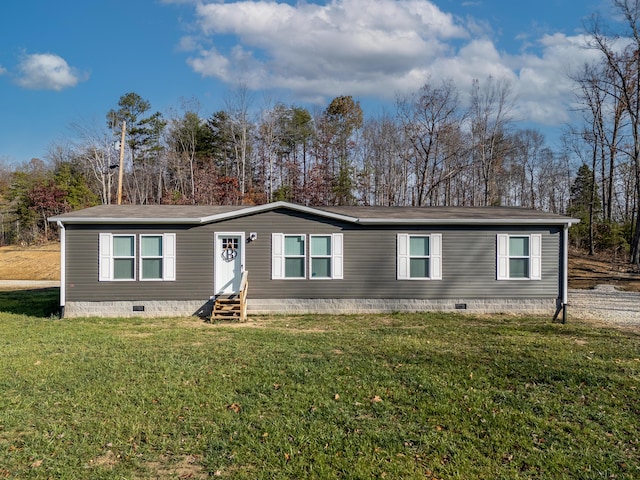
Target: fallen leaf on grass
x: 376, y: 399
x: 234, y: 407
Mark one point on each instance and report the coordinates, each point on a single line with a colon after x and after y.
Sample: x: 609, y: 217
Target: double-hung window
x: 300, y: 256
x: 519, y: 257
x: 151, y: 260
x: 320, y: 256
x: 124, y: 248
x: 137, y: 257
x: 419, y: 256
x: 294, y: 256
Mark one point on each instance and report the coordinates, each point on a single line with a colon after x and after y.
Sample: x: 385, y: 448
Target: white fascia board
x: 466, y: 221
x: 124, y: 220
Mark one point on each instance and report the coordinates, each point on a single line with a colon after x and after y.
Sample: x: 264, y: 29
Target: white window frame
x: 168, y: 257
x: 278, y: 257
x: 106, y: 257
x: 503, y: 256
x: 335, y: 258
x: 403, y: 256
x: 150, y: 257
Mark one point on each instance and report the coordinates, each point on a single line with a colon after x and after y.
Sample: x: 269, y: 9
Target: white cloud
x: 377, y: 49
x: 46, y: 71
x: 544, y: 87
x: 2, y: 70
x: 345, y: 45
x: 540, y: 81
x: 210, y: 63
x: 188, y: 43
x: 477, y: 59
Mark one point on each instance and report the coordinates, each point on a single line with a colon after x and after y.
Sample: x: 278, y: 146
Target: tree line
x: 433, y: 150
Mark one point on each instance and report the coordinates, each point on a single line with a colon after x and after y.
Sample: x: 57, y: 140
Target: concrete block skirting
x: 174, y: 308
x: 545, y: 306
x: 147, y: 308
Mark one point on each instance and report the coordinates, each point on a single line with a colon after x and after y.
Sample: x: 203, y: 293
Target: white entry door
x: 229, y: 262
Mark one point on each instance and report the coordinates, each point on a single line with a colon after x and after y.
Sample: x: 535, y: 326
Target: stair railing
x: 244, y: 286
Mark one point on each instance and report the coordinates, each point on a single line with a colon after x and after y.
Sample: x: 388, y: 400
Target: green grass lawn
x: 372, y: 396
x: 42, y: 302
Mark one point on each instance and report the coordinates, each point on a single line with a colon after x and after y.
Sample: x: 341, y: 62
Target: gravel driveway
x: 607, y: 304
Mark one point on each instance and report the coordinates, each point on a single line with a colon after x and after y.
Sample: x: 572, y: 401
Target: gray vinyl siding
x: 194, y: 267
x: 468, y: 262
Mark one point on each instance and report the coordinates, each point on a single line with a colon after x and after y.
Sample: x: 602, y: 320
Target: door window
x: 229, y: 248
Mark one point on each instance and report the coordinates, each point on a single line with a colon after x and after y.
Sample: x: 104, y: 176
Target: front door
x: 229, y: 262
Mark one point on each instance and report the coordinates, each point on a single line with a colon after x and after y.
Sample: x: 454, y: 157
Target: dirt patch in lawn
x: 587, y: 271
x: 182, y: 467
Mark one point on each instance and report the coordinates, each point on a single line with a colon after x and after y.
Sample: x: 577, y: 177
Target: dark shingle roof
x: 188, y: 213
x: 199, y: 214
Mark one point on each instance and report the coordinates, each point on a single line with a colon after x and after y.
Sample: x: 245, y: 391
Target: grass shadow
x: 40, y: 302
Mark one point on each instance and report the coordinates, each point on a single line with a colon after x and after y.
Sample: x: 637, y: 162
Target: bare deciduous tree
x: 490, y: 115
x: 621, y: 54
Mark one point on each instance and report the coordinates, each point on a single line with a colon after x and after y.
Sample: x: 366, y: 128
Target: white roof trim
x: 123, y: 220
x: 273, y: 206
x: 467, y: 221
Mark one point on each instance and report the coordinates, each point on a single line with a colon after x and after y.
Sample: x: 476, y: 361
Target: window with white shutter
x: 125, y: 257
x: 298, y: 256
x: 419, y: 257
x: 519, y: 257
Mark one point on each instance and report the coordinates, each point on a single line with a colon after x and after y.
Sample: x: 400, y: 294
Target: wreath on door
x: 229, y: 253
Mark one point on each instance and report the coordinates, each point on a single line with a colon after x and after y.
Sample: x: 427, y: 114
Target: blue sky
x: 67, y: 62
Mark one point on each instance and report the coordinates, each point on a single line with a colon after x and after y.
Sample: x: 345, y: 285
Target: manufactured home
x: 161, y: 260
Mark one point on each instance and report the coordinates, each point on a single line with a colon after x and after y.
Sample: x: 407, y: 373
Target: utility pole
x: 124, y: 129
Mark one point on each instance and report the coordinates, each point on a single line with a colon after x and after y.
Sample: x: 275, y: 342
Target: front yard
x: 377, y: 396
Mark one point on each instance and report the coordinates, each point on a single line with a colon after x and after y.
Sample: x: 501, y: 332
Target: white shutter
x: 277, y: 256
x: 169, y: 256
x: 104, y: 257
x: 337, y: 256
x: 403, y: 256
x: 436, y: 256
x: 502, y: 260
x: 536, y: 256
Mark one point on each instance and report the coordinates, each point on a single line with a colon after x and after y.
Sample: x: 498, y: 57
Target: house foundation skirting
x: 147, y: 308
x: 175, y: 308
x: 386, y: 305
